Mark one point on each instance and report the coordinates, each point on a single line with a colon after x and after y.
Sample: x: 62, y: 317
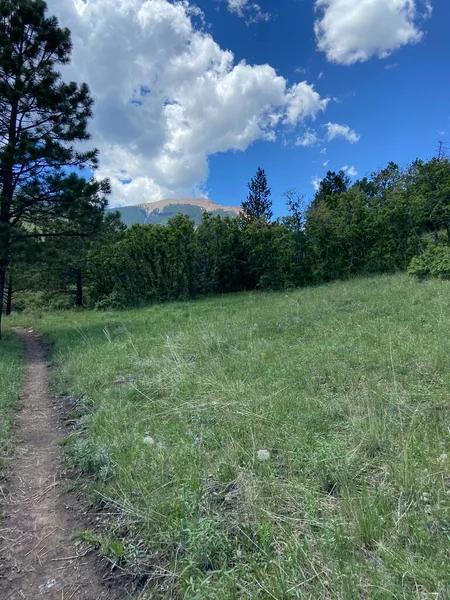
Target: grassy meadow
x: 11, y: 383
x: 266, y: 446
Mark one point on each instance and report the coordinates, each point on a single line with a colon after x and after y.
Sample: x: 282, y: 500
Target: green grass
x: 11, y: 383
x: 346, y: 387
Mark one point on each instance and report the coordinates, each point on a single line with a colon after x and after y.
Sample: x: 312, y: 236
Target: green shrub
x: 434, y: 262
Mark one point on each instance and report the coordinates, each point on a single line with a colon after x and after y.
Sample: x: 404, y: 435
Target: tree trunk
x: 2, y: 292
x: 79, y: 293
x: 9, y: 296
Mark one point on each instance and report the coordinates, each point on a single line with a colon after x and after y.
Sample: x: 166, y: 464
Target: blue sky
x: 397, y: 105
x: 192, y: 98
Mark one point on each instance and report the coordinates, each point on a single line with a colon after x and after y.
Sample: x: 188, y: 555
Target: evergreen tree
x: 258, y: 206
x: 330, y: 187
x: 40, y: 119
x: 54, y: 271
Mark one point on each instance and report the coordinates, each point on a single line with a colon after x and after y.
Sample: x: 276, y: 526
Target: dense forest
x: 59, y: 247
x: 394, y: 219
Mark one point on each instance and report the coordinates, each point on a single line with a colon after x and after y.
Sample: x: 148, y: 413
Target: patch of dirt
x: 37, y: 557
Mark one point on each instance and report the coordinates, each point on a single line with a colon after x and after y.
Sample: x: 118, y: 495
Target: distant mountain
x: 160, y: 212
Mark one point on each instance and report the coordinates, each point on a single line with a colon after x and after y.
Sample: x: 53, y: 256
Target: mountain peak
x: 203, y: 203
x: 161, y: 211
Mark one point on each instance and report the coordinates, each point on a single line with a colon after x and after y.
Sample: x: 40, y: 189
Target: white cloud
x: 335, y: 131
x: 167, y: 96
x: 315, y: 182
x: 248, y: 10
x: 351, y: 31
x: 350, y: 170
x: 309, y: 138
x: 302, y: 102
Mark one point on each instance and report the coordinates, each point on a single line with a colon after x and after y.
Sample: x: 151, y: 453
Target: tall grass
x: 261, y: 446
x: 11, y: 382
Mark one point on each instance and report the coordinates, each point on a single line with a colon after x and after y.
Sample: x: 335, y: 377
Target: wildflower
x: 263, y: 455
x: 149, y: 440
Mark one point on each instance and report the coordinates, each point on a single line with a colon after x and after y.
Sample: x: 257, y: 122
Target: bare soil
x: 37, y: 556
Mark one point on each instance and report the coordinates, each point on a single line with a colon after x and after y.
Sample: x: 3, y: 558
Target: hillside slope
x: 268, y: 445
x: 160, y: 212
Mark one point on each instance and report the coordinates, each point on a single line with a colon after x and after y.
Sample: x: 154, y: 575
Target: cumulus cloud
x: 350, y: 170
x: 336, y: 131
x: 351, y: 31
x: 167, y: 96
x: 248, y: 10
x: 303, y: 101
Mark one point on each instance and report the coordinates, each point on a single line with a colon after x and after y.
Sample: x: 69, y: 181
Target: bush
x: 434, y: 262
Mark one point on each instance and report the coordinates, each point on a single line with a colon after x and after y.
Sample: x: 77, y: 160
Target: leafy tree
x: 429, y: 183
x: 322, y: 230
x: 222, y: 262
x: 149, y: 263
x: 41, y: 118
x: 258, y: 206
x: 330, y: 187
x: 295, y: 222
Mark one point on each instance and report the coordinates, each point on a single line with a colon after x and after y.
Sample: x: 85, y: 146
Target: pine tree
x: 40, y: 119
x: 258, y: 206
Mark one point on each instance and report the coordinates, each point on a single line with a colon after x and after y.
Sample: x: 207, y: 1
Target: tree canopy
x: 258, y: 206
x: 43, y: 119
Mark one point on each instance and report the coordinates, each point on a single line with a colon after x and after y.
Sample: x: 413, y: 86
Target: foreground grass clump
x: 258, y: 446
x: 11, y: 383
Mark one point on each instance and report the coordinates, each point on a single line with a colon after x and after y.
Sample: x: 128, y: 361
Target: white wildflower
x: 149, y: 440
x: 263, y: 454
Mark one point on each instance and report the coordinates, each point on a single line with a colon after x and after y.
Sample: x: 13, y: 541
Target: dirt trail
x: 37, y: 557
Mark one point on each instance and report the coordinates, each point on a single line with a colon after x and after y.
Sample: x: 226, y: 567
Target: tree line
x: 378, y: 224
x: 375, y: 225
x: 58, y: 247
